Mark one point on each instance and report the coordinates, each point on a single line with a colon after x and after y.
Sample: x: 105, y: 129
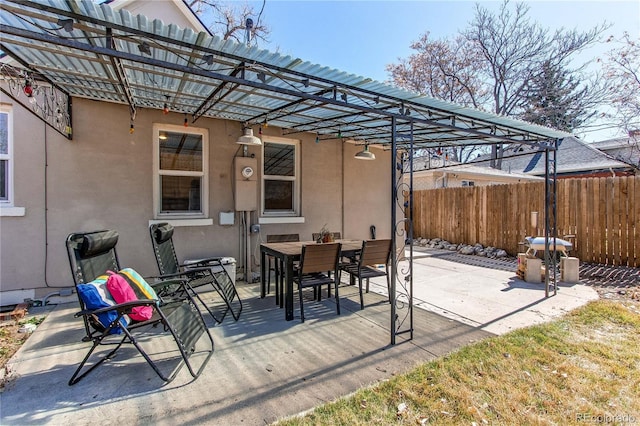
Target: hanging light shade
x: 248, y: 138
x: 365, y: 154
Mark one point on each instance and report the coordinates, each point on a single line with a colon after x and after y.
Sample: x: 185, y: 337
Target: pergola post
x: 401, y: 280
x: 550, y: 221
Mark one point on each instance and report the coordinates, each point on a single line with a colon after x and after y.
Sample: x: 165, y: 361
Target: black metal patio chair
x: 315, y: 261
x: 373, y: 253
x: 199, y: 274
x: 91, y: 255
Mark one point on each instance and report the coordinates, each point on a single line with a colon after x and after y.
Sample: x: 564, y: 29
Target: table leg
x: 288, y: 279
x: 263, y: 275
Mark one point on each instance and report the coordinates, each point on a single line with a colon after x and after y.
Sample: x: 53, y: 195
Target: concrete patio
x: 265, y: 368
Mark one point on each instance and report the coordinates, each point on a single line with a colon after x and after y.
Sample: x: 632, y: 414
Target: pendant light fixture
x: 365, y: 154
x: 248, y: 139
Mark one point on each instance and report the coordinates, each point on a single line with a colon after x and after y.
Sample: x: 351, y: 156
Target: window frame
x: 296, y: 212
x: 8, y: 202
x: 157, y: 173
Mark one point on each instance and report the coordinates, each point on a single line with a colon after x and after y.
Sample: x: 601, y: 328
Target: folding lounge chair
x: 197, y: 273
x: 91, y: 255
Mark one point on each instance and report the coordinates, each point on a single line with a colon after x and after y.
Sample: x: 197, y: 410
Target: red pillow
x: 122, y: 292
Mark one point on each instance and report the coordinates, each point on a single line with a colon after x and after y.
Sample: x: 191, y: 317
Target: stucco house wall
x: 103, y: 179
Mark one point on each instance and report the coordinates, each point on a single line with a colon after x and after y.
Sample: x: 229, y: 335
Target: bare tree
x: 229, y: 20
x: 622, y: 71
x: 443, y: 69
x: 507, y: 52
x: 515, y: 51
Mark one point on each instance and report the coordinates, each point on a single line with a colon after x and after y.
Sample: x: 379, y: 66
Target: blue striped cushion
x: 95, y: 296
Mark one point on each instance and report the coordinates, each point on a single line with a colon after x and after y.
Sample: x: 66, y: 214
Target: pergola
x: 69, y: 49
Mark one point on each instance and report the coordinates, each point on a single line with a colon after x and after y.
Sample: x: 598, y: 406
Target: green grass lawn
x: 581, y: 369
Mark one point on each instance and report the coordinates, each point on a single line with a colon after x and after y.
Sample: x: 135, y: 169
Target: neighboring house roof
x: 625, y: 149
x: 573, y: 156
x: 435, y: 166
x: 471, y: 170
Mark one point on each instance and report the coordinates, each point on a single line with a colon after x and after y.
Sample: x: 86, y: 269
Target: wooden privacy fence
x: 602, y: 215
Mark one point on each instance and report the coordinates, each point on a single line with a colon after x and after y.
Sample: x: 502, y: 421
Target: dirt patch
x: 13, y: 334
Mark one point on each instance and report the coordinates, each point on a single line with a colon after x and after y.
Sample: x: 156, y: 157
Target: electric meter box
x: 246, y: 184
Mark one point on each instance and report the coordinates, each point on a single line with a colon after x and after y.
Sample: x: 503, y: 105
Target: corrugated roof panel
x: 281, y: 85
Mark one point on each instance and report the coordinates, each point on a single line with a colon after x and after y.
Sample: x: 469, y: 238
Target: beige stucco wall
x: 367, y: 188
x: 102, y: 179
x: 23, y: 238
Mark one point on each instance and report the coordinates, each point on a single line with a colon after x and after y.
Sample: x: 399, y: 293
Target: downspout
x: 248, y: 275
x: 444, y: 183
x: 342, y: 189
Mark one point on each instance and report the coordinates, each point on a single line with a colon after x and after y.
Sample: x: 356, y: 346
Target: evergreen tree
x: 555, y: 98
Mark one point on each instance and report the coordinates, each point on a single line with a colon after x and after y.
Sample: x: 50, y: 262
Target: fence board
x: 624, y: 215
x: 604, y: 254
x: 602, y: 213
x: 594, y: 208
x: 612, y: 222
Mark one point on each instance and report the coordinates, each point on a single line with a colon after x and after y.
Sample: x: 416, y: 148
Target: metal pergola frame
x: 80, y: 49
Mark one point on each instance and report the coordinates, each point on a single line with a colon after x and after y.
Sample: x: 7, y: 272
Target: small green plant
x: 32, y: 320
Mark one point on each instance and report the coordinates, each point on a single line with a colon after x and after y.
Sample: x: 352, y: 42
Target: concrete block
x: 522, y: 265
x: 532, y: 271
x: 569, y: 270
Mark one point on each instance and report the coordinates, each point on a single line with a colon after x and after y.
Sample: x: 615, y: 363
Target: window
x: 6, y: 160
x: 180, y: 172
x: 280, y: 178
x: 468, y: 183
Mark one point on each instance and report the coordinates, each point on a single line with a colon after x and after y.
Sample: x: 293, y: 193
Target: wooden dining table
x: 288, y: 253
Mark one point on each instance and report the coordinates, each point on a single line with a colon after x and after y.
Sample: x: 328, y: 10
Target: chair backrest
x: 283, y: 238
x: 375, y: 252
x: 92, y: 254
x: 162, y: 242
x: 320, y: 258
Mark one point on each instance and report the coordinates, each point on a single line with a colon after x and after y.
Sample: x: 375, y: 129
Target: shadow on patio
x: 263, y: 368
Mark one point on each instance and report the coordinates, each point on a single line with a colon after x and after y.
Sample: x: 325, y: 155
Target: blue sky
x: 362, y: 37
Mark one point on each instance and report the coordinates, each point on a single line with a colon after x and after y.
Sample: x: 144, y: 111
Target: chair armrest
x: 184, y: 274
x: 200, y: 262
x: 119, y: 307
x: 160, y: 285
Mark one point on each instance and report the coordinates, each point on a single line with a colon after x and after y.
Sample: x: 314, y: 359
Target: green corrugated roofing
x: 204, y: 75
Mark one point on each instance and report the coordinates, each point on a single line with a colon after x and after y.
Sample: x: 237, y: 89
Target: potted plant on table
x: 325, y: 236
